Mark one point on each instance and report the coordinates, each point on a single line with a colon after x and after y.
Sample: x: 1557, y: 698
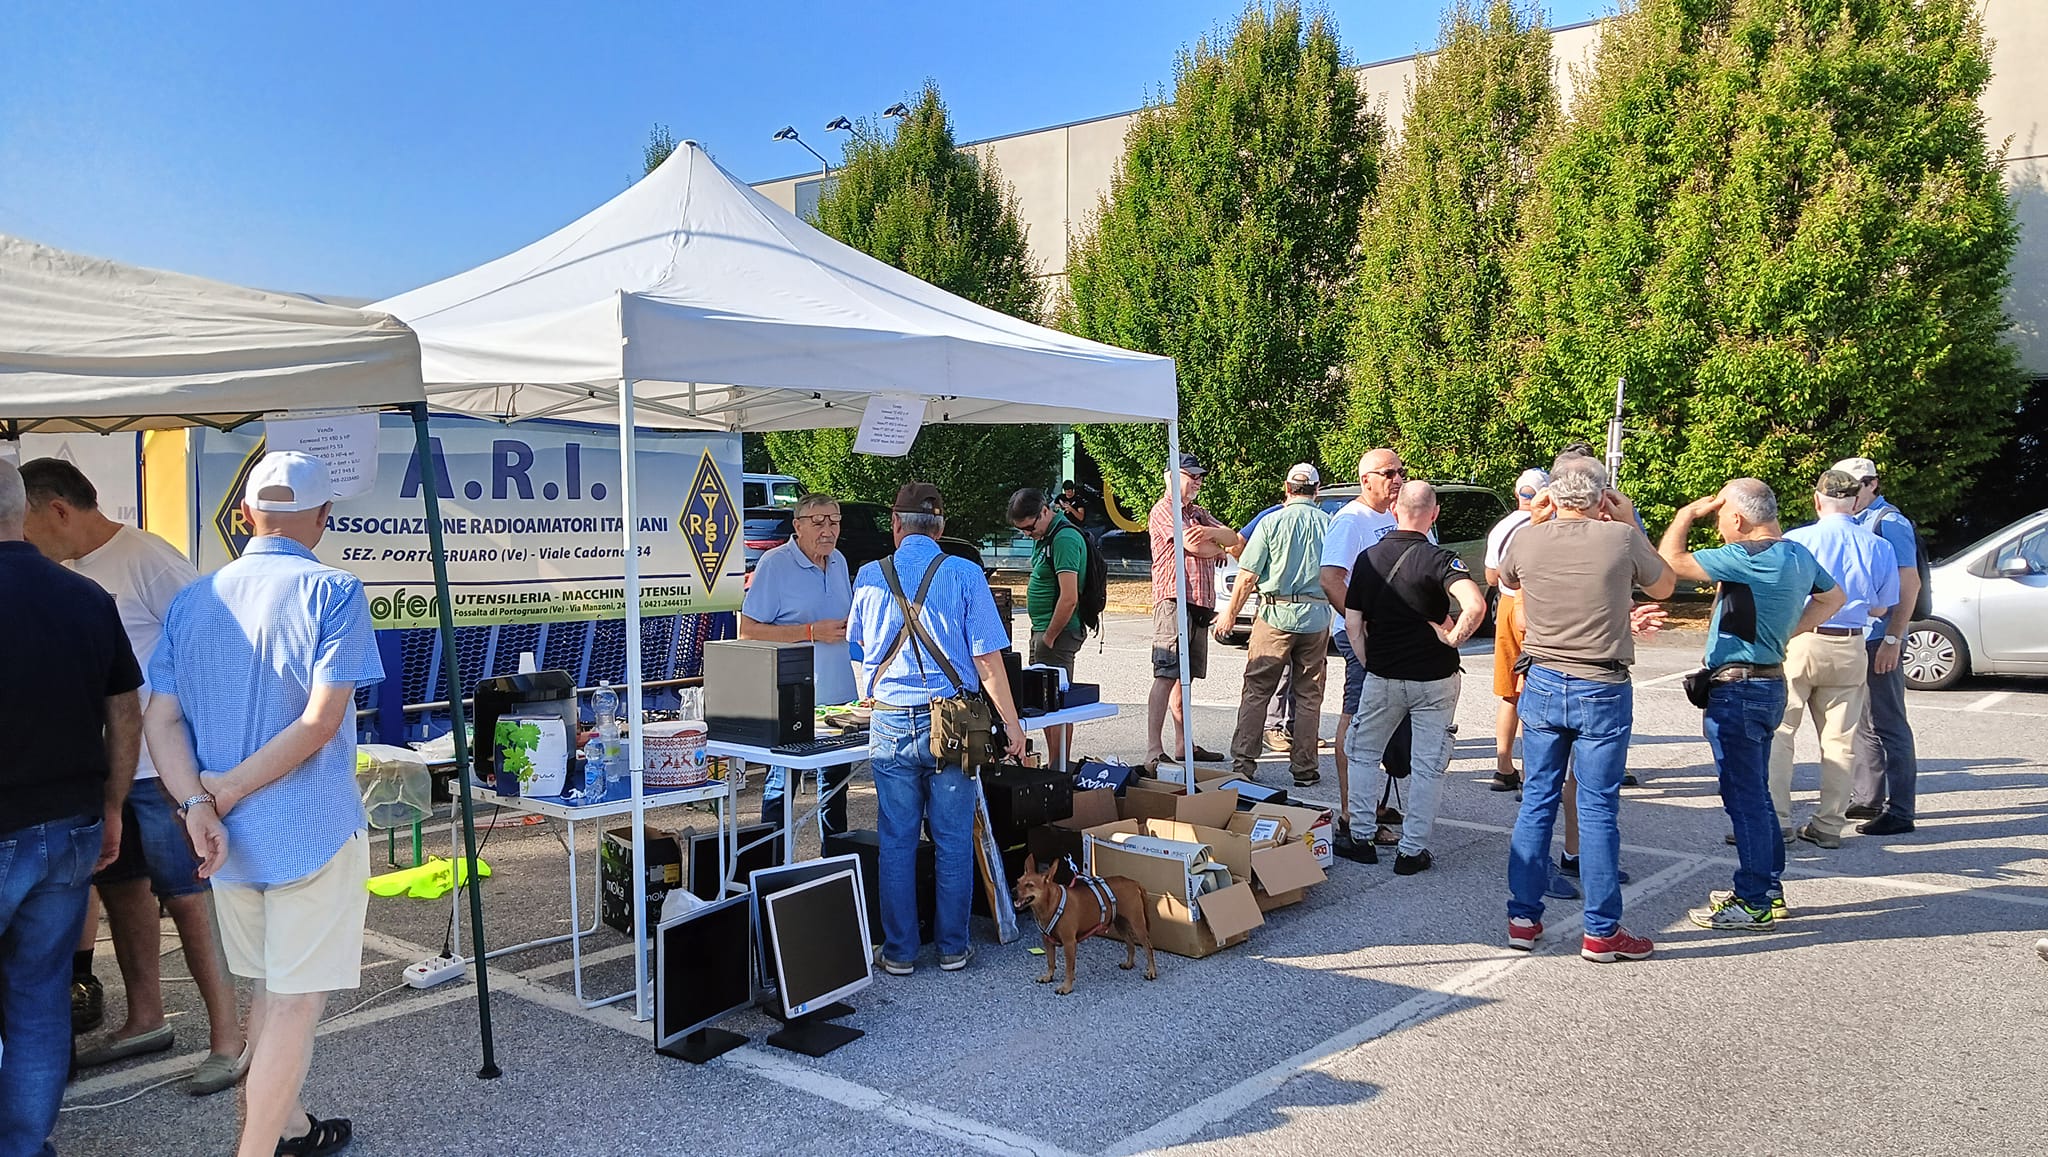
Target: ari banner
x: 530, y: 518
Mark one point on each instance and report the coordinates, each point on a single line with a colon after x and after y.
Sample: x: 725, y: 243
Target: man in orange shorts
x: 1507, y: 631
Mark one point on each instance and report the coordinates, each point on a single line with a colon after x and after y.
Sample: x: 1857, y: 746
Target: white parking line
x: 1989, y: 701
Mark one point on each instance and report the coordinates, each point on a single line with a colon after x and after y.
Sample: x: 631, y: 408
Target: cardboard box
x: 1218, y: 919
x: 615, y: 875
x: 1050, y: 843
x: 1248, y: 792
x: 1151, y: 800
x: 1308, y: 824
x: 1284, y: 867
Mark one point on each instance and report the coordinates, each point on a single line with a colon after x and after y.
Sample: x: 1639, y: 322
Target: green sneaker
x: 1733, y: 915
x: 1779, y: 912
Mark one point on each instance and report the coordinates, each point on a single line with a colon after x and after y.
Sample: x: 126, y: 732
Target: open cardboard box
x: 1209, y: 808
x: 1218, y: 919
x: 1311, y: 825
x: 1055, y: 841
x: 1284, y: 866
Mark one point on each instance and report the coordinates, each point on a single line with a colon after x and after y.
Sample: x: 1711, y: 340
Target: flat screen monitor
x: 822, y: 952
x: 702, y: 968
x: 767, y: 881
x: 760, y: 847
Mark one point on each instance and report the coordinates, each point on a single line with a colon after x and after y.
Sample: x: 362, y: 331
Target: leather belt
x: 902, y: 707
x: 1743, y: 672
x: 1293, y: 599
x: 1840, y: 632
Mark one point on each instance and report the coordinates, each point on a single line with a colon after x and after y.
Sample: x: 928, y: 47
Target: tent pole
x: 629, y: 499
x: 450, y: 664
x: 1180, y: 605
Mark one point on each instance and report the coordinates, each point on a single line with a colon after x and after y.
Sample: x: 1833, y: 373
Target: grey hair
x: 1415, y: 500
x: 13, y: 496
x: 1753, y: 500
x: 931, y: 525
x: 1827, y: 504
x: 1577, y: 483
x: 1303, y: 488
x: 813, y: 501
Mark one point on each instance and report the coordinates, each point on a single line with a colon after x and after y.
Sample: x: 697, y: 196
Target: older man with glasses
x: 1360, y: 525
x: 802, y: 592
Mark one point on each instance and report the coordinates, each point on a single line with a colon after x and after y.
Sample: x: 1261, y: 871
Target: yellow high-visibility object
x: 427, y: 881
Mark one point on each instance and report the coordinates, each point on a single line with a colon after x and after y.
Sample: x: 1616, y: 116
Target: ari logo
x: 228, y: 519
x: 709, y: 523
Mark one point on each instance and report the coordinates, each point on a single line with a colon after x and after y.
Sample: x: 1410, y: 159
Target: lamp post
x: 899, y: 110
x: 789, y: 133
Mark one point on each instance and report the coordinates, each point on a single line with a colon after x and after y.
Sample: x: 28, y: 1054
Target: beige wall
x: 1061, y: 173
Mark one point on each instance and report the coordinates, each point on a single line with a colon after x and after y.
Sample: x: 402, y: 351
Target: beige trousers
x: 1824, y: 678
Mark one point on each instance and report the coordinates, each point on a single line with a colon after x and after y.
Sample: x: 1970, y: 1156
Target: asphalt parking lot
x: 1899, y: 1012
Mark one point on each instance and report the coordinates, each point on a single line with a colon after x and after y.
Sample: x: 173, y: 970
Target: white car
x: 1989, y: 613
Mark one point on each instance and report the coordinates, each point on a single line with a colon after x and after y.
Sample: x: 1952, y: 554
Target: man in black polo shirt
x: 70, y: 724
x: 1400, y: 599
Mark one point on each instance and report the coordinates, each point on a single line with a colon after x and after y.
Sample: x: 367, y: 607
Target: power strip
x: 437, y: 970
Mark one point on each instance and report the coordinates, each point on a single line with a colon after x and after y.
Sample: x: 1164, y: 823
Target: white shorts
x: 301, y: 936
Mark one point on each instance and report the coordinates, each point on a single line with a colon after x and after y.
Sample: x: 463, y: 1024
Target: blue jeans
x: 1584, y: 724
x: 1741, y: 721
x: 911, y: 793
x: 832, y: 782
x: 44, y: 872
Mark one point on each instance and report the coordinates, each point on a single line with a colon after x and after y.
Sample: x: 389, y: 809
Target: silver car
x: 1989, y: 611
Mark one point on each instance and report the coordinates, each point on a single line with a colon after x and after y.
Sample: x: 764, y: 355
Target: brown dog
x: 1070, y: 913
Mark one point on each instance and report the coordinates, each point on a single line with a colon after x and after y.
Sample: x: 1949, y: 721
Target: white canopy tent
x: 690, y: 301
x: 88, y: 345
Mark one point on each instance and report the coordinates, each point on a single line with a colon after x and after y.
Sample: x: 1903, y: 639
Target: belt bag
x: 1698, y: 684
x: 963, y: 725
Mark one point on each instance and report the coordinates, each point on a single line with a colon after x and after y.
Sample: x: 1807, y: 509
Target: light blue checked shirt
x: 242, y: 650
x: 959, y: 612
x: 1860, y: 562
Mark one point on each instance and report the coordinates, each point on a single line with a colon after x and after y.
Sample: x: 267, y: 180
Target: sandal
x: 320, y: 1138
x: 1387, y: 837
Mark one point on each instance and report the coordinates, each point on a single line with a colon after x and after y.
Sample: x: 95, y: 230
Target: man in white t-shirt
x: 1360, y: 524
x: 156, y: 864
x: 1507, y: 629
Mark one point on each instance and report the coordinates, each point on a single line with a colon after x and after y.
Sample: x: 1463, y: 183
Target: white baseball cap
x: 1304, y: 472
x: 1857, y: 468
x: 286, y: 481
x: 1531, y: 480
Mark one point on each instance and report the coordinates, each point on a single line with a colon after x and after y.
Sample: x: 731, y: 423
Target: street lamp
x: 839, y: 124
x: 789, y: 133
x: 898, y: 110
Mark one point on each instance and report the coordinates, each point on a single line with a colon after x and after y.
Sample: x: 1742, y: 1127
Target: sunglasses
x: 1391, y: 472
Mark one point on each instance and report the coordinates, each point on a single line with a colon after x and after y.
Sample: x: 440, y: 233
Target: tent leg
x: 1180, y: 583
x: 629, y: 501
x: 450, y: 664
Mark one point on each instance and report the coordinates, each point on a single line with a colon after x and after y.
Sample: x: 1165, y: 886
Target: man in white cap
x: 1283, y: 559
x: 251, y: 723
x: 1507, y: 629
x: 1886, y: 766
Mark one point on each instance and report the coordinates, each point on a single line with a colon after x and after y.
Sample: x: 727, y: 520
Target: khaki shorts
x: 1508, y: 630
x: 1166, y: 643
x: 302, y: 936
x: 1061, y: 654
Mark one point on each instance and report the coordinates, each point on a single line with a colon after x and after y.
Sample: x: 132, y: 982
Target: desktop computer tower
x: 757, y: 693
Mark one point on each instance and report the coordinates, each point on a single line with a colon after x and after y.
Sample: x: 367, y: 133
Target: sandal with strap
x: 320, y: 1138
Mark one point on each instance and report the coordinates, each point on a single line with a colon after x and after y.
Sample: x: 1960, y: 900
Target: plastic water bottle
x: 604, y: 704
x: 594, y: 776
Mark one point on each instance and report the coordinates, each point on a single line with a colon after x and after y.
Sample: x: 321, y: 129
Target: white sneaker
x: 2041, y: 947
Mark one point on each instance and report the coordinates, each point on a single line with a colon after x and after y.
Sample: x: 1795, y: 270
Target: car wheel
x: 1934, y: 657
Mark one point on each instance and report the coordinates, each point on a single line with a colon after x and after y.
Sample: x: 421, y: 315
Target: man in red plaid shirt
x: 1205, y: 540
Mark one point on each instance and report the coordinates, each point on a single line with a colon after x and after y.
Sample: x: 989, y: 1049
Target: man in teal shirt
x: 1283, y: 560
x: 1052, y: 595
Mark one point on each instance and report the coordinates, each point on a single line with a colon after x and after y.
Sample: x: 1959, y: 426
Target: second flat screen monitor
x: 820, y: 936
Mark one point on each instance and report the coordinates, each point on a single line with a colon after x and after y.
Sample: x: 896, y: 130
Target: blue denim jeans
x: 1583, y: 724
x: 911, y: 793
x: 832, y: 783
x: 1741, y: 721
x: 44, y: 873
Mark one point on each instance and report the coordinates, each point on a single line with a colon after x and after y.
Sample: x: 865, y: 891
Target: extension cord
x: 437, y: 970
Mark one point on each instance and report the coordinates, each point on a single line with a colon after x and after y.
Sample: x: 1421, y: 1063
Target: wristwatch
x: 1891, y: 640
x: 195, y: 801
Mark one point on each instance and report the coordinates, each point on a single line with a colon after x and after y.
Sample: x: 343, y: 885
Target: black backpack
x: 1094, y: 584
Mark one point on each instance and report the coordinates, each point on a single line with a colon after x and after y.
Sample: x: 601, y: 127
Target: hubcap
x: 1929, y: 657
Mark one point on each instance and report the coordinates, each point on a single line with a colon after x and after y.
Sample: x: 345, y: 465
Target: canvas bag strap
x: 909, y: 617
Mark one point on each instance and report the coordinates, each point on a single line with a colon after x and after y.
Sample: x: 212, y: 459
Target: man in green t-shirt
x: 1283, y: 561
x: 1052, y: 595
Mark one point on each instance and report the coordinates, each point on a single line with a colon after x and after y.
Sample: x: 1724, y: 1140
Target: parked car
x: 1469, y: 511
x: 864, y: 535
x: 769, y: 490
x: 1989, y: 613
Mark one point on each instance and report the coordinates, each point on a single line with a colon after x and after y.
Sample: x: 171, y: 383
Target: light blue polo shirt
x: 959, y: 612
x: 789, y: 589
x: 1763, y: 590
x: 242, y: 650
x: 1861, y: 563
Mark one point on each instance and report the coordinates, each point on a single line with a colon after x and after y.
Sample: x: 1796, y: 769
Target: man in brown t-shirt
x: 1576, y: 564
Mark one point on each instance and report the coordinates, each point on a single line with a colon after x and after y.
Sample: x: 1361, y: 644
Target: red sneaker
x: 1522, y: 933
x: 1622, y: 945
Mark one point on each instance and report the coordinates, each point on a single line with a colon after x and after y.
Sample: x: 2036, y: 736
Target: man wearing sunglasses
x: 1052, y: 595
x: 802, y: 593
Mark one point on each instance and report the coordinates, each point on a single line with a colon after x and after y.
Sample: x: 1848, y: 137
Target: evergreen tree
x: 1227, y: 241
x: 1430, y: 364
x: 1781, y: 220
x: 920, y: 203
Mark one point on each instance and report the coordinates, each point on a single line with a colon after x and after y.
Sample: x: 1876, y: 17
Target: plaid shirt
x: 1201, y: 571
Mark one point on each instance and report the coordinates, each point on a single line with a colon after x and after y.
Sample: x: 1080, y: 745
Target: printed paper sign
x: 111, y: 462
x: 889, y: 425
x: 346, y: 442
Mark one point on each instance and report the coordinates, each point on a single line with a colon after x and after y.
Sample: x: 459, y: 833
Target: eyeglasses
x: 822, y: 519
x: 1390, y: 472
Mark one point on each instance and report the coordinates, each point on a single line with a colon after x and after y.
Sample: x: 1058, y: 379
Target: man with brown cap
x: 954, y: 648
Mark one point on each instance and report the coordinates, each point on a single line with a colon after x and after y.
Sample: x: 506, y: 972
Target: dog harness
x: 1105, y: 902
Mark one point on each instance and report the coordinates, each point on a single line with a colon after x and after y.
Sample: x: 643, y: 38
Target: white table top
x: 761, y: 756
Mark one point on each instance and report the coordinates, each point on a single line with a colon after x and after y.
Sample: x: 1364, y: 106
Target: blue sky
x: 367, y: 148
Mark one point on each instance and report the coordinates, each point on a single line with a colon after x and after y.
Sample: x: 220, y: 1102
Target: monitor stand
x: 813, y: 1035
x: 702, y: 1046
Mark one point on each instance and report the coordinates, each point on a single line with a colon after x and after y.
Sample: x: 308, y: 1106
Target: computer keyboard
x: 821, y: 745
